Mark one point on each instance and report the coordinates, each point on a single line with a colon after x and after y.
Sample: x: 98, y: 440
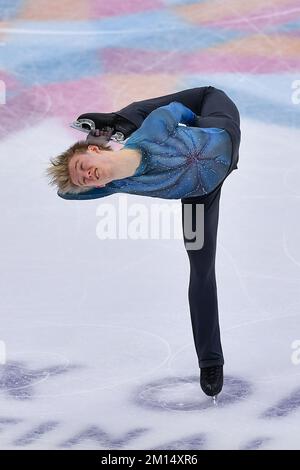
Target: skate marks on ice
x: 105, y: 441
x: 193, y: 442
x: 100, y: 437
x: 169, y: 394
x: 284, y: 407
x: 200, y: 442
x: 182, y: 394
x: 256, y: 443
x: 36, y: 433
x: 8, y: 422
x: 91, y: 436
x: 97, y: 438
x: 17, y: 379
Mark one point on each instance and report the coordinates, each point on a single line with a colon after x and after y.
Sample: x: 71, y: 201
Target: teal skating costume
x: 177, y: 161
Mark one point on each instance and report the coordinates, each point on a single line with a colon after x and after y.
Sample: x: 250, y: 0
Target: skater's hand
x: 98, y: 136
x: 101, y: 120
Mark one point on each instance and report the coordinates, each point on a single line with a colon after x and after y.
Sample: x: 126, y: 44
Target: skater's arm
x: 162, y: 122
x: 93, y: 193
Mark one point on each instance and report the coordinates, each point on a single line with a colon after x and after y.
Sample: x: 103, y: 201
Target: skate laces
x: 212, y: 373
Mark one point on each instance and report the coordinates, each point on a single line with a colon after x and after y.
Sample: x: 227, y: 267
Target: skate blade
x: 78, y: 125
x: 215, y: 400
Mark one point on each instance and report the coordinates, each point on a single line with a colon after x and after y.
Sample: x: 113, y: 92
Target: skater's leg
x: 137, y: 111
x: 129, y: 119
x: 216, y: 103
x: 202, y: 292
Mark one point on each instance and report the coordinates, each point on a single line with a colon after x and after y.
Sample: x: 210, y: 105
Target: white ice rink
x: 96, y: 344
x: 99, y: 347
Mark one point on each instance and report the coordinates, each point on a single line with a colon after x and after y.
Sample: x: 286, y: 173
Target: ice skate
x: 211, y: 381
x: 122, y: 127
x: 88, y: 126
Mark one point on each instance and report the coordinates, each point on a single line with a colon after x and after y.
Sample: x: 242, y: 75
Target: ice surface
x: 98, y: 338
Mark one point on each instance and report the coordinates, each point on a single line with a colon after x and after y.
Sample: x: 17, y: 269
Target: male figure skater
x: 162, y: 159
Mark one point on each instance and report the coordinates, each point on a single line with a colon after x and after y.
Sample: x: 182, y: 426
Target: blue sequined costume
x: 177, y: 161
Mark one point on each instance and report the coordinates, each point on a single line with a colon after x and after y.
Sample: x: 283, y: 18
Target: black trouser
x: 202, y: 294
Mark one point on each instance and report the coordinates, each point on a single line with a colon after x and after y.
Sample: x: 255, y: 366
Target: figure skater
x: 164, y: 159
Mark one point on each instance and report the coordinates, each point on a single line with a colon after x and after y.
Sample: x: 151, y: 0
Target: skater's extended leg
x: 131, y: 117
x: 202, y: 292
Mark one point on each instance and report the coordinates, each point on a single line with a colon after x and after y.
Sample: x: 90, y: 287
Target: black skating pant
x: 202, y: 291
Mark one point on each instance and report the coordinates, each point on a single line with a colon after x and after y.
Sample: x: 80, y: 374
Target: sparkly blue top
x: 177, y: 161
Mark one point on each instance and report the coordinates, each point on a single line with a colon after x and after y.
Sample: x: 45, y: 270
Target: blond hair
x: 58, y: 171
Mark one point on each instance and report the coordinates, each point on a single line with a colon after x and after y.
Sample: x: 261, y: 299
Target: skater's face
x: 88, y: 169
